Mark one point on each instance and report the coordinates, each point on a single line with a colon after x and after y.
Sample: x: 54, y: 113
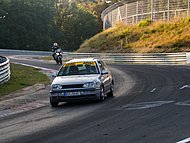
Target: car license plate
x: 77, y: 93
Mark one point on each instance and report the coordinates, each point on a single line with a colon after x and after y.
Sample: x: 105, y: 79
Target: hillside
x: 144, y: 37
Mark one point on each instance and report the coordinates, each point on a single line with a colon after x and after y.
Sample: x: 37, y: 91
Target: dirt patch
x: 37, y: 94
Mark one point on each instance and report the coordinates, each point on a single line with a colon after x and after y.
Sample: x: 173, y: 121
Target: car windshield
x: 78, y: 68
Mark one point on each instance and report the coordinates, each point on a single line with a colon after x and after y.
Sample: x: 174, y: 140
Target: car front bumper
x: 74, y: 95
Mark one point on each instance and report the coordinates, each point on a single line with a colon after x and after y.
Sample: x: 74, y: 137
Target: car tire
x: 110, y: 94
x: 54, y: 103
x: 102, y: 94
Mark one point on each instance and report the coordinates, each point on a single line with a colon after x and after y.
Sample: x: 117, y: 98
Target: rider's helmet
x: 55, y: 44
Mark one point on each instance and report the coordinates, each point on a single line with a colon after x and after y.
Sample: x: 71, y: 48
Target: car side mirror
x: 54, y: 74
x: 104, y: 72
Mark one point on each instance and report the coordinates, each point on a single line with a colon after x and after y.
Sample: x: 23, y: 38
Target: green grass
x: 144, y: 37
x: 47, y: 58
x: 22, y: 76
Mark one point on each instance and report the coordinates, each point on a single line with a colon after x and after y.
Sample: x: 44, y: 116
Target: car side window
x: 104, y: 65
x: 101, y: 65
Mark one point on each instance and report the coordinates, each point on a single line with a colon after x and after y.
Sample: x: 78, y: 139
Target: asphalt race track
x: 151, y: 104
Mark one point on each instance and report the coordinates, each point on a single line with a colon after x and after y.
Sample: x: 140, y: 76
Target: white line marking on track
x: 185, y: 141
x: 153, y: 90
x: 184, y: 103
x: 146, y: 105
x: 46, y: 69
x: 185, y: 86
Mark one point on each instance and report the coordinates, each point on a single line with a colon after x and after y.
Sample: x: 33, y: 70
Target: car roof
x: 83, y: 60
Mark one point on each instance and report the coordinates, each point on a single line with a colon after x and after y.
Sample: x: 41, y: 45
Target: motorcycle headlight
x: 89, y: 85
x: 56, y: 87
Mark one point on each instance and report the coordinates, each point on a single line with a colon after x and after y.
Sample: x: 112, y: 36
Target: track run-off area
x: 151, y: 104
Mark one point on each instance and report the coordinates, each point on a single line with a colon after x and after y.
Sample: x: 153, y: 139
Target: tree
x: 36, y: 24
x: 27, y: 24
x: 77, y: 25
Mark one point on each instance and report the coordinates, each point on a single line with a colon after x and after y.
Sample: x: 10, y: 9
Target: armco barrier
x: 145, y: 58
x: 148, y: 58
x: 4, y: 69
x: 188, y: 58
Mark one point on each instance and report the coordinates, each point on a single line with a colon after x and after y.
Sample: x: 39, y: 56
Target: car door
x: 105, y: 78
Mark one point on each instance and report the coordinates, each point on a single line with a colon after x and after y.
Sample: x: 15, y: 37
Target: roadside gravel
x: 28, y: 98
x: 23, y: 100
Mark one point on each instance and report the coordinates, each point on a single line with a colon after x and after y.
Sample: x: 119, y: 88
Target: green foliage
x: 22, y: 76
x: 36, y: 24
x: 77, y: 25
x: 166, y: 27
x: 26, y: 24
x: 144, y: 23
x: 187, y: 19
x: 175, y: 49
x: 178, y: 44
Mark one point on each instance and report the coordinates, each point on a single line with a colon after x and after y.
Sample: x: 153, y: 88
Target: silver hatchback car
x: 81, y: 79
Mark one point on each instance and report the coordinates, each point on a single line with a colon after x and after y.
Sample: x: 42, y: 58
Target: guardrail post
x: 175, y: 13
x: 104, y: 23
x: 188, y: 58
x: 133, y: 19
x: 168, y: 10
x: 126, y: 13
x: 188, y: 8
x: 119, y: 18
x: 152, y: 9
x: 111, y: 19
x: 164, y: 15
x: 137, y: 11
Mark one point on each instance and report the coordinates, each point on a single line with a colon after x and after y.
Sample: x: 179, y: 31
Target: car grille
x: 75, y: 97
x: 72, y: 86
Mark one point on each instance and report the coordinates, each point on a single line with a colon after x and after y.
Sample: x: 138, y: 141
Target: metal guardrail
x: 4, y: 69
x: 133, y: 11
x: 147, y: 58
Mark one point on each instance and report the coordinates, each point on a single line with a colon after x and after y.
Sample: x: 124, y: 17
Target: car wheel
x: 54, y: 103
x: 111, y: 90
x: 102, y: 94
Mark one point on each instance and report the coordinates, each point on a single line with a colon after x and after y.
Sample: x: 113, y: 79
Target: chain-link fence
x: 131, y: 11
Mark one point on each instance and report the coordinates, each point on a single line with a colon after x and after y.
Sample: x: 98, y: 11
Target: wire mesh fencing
x: 131, y: 12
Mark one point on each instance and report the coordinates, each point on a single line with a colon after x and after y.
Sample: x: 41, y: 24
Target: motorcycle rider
x: 54, y: 48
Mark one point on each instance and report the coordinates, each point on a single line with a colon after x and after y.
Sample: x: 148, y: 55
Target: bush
x: 144, y: 23
x: 187, y: 19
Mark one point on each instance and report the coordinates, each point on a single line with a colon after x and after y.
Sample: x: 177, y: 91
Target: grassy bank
x: 22, y: 76
x: 144, y: 37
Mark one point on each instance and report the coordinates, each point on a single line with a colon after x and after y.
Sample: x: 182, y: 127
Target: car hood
x: 75, y: 79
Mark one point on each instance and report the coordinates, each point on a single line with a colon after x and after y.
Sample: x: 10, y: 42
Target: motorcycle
x: 58, y: 56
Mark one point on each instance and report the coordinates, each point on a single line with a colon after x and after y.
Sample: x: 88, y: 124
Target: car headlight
x: 98, y: 84
x: 89, y: 85
x: 56, y: 87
